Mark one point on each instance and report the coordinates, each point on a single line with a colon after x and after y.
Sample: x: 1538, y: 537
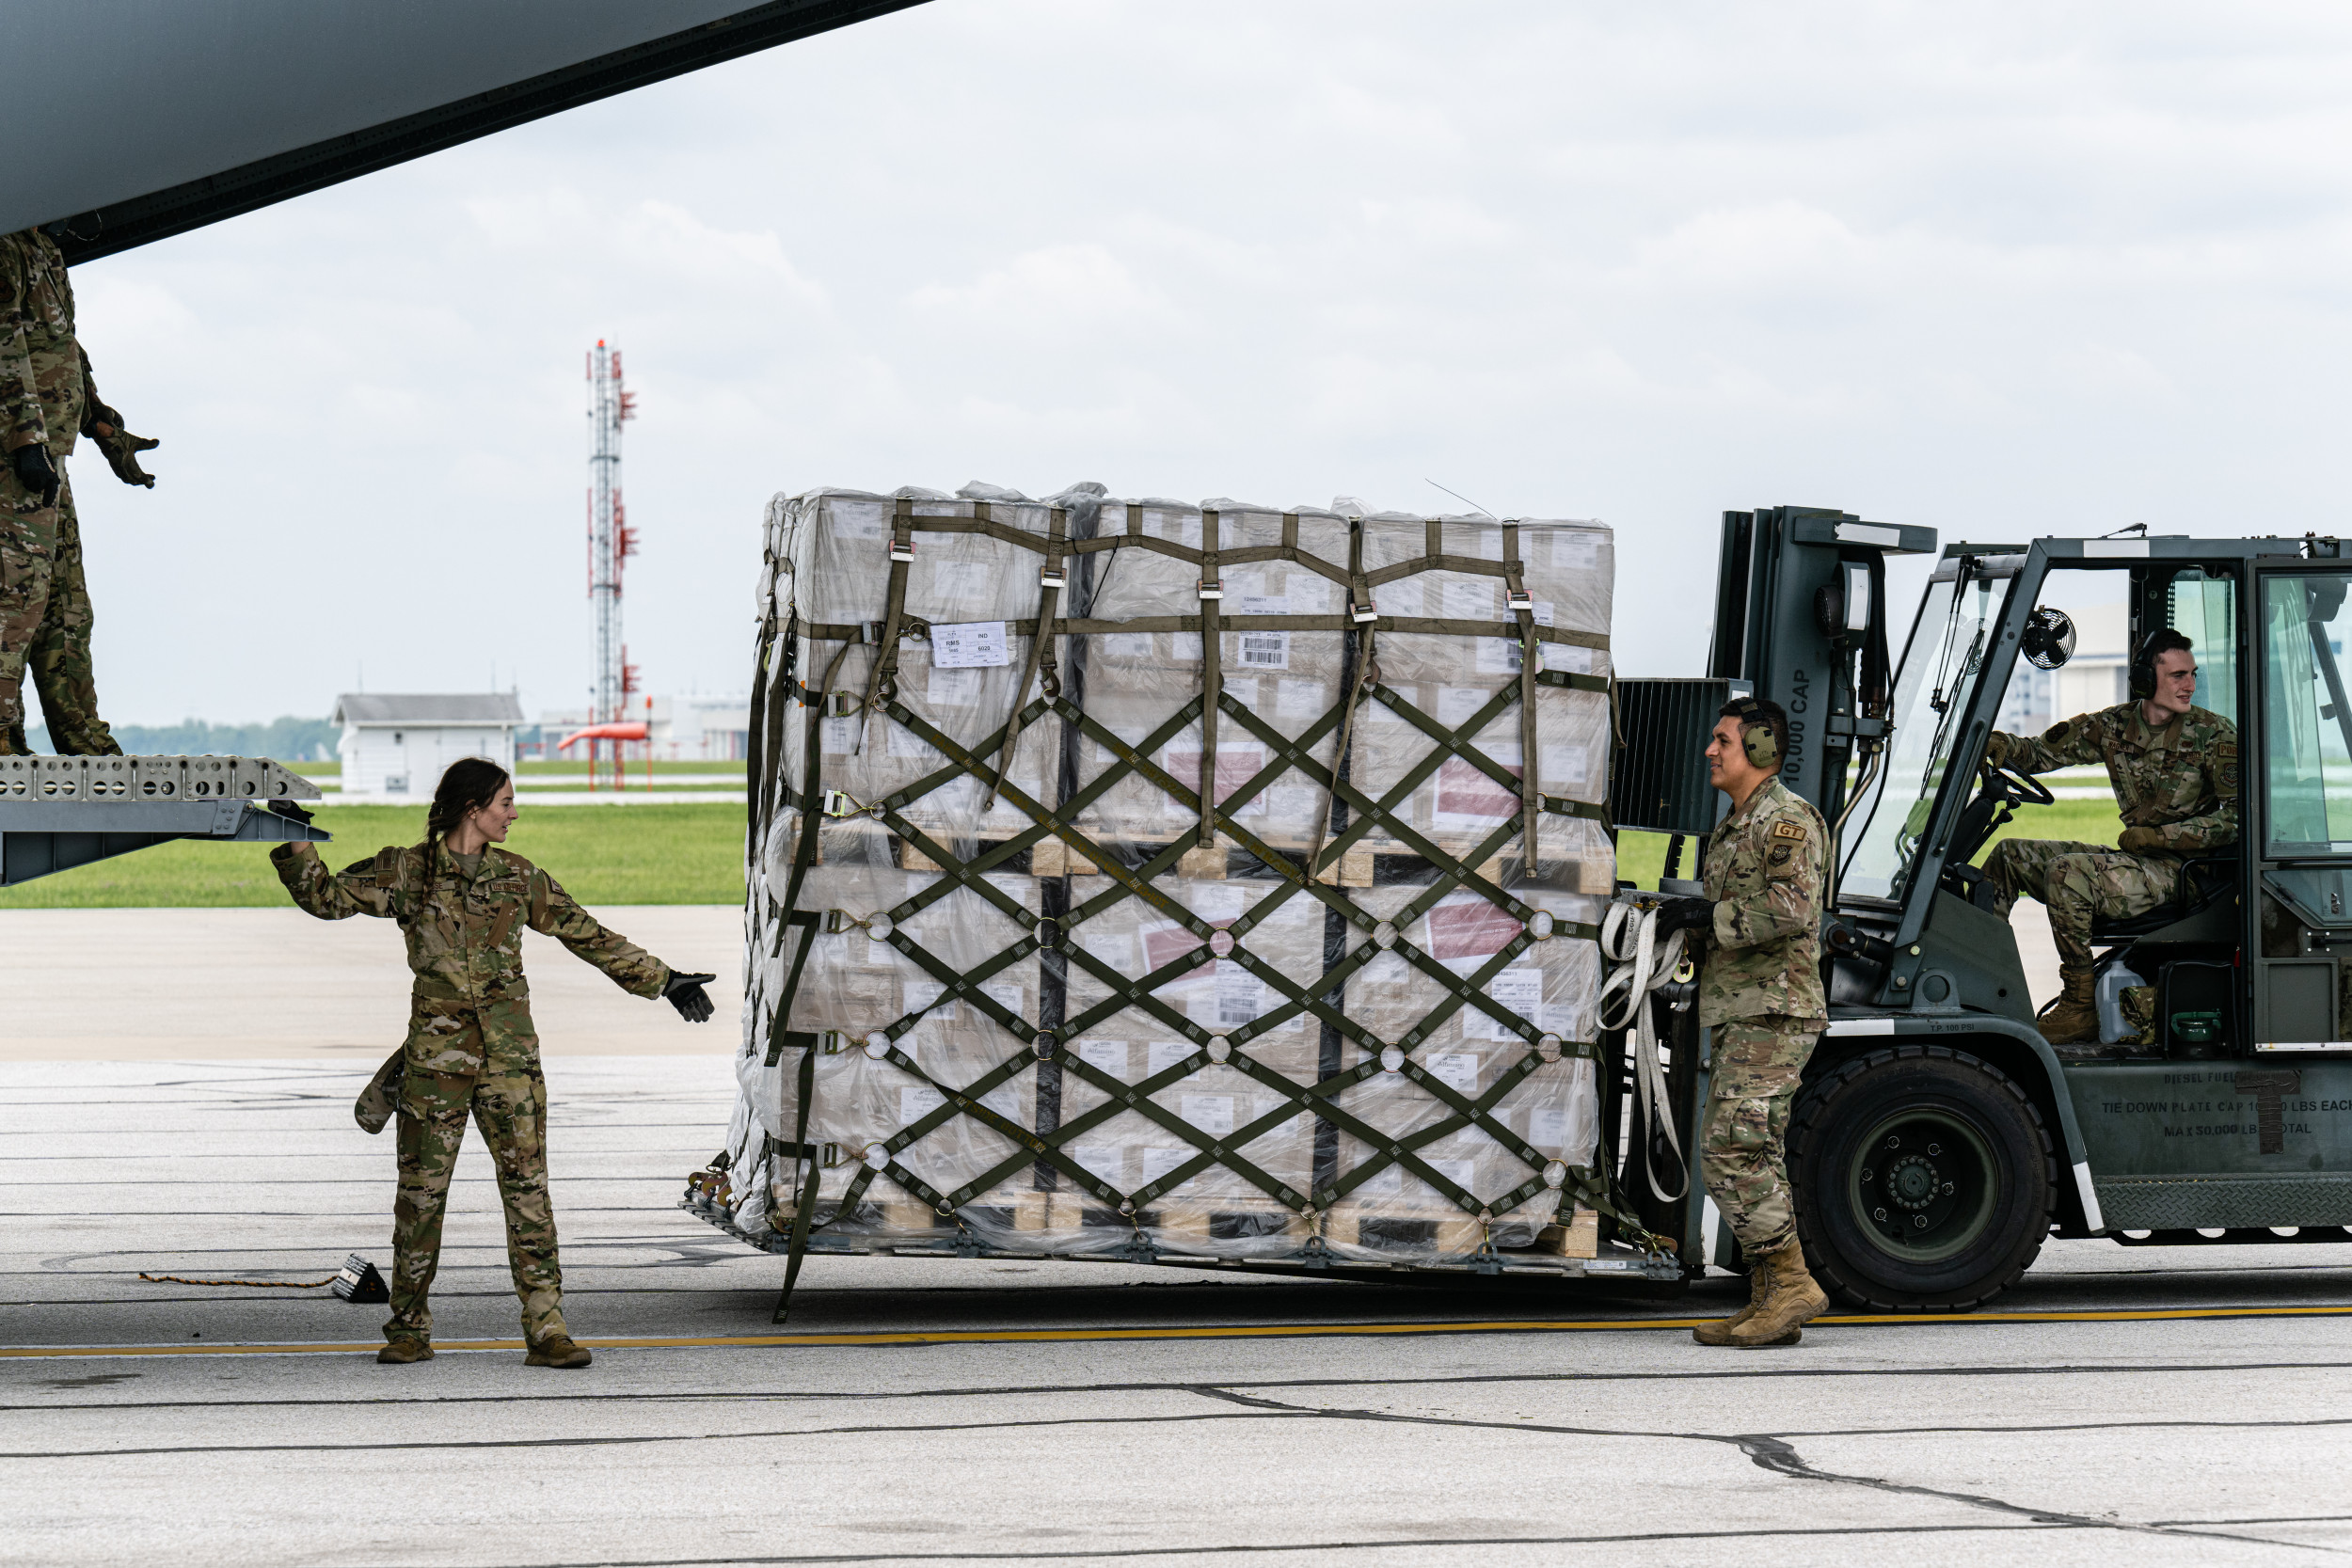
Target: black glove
x: 686, y: 994
x: 37, y: 471
x: 123, y: 451
x: 1680, y: 913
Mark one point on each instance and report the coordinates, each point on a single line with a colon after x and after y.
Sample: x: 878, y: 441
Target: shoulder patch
x: 2055, y: 734
x: 359, y: 867
x: 1788, y: 830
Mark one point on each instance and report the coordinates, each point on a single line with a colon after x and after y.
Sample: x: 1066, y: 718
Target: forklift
x: 1937, y: 1138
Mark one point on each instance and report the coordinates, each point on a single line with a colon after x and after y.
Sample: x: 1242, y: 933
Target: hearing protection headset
x: 2142, y: 673
x: 1757, y: 738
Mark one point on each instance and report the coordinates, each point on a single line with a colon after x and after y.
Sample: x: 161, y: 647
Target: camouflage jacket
x: 465, y: 933
x: 2181, y: 779
x: 1763, y: 869
x: 43, y: 375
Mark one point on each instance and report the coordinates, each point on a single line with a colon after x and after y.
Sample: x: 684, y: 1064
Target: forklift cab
x: 1939, y: 1138
x: 2242, y: 959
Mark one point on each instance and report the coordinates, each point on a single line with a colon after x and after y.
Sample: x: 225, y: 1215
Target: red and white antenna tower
x: 611, y: 540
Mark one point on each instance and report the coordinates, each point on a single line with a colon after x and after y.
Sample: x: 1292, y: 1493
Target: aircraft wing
x: 131, y: 120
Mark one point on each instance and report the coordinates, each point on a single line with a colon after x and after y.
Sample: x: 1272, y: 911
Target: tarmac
x: 2179, y: 1405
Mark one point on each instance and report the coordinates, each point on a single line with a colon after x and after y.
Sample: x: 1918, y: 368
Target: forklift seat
x: 2206, y: 881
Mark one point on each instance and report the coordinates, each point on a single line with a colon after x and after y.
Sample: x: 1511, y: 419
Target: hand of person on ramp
x: 686, y: 993
x: 102, y: 425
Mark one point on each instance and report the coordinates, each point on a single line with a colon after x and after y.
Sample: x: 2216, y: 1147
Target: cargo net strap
x: 1349, y: 815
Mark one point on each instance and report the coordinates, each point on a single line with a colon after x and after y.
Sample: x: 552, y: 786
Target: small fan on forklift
x: 2049, y: 638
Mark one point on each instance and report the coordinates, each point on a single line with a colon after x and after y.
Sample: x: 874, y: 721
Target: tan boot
x: 557, y: 1350
x: 1718, y: 1332
x: 2071, y: 1016
x: 1791, y: 1301
x: 399, y: 1352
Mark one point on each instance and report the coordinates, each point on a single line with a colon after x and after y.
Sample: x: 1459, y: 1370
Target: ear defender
x: 1756, y: 739
x: 2142, y: 674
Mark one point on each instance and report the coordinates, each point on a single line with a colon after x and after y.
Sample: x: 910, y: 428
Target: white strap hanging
x: 1638, y: 966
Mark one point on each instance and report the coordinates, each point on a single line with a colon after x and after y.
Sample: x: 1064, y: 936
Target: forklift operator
x: 2174, y: 769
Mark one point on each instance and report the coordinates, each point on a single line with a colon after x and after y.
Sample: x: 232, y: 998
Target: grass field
x: 1639, y: 856
x: 681, y: 854
x: 553, y: 769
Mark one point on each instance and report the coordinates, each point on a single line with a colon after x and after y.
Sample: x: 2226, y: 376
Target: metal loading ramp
x: 58, y: 813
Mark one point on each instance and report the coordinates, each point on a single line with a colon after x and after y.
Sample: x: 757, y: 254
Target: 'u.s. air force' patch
x: 1788, y: 830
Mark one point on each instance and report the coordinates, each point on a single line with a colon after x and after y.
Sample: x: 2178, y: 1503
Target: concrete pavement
x: 1178, y: 1415
x: 126, y: 985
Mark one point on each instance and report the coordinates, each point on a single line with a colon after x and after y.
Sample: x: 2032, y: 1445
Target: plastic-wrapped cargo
x: 1161, y: 879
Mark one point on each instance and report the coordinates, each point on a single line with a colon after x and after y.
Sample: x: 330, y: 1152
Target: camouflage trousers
x: 2079, y: 881
x: 507, y: 1097
x: 45, y: 620
x: 1743, y: 1142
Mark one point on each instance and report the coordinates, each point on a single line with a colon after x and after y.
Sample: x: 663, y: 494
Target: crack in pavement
x: 720, y: 1396
x: 1775, y: 1454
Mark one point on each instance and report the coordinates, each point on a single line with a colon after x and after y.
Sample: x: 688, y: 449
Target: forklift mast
x: 1801, y: 616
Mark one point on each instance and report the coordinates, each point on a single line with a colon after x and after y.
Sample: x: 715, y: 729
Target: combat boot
x: 2071, y: 1016
x: 1720, y: 1331
x: 557, y: 1350
x: 400, y: 1352
x: 1791, y: 1299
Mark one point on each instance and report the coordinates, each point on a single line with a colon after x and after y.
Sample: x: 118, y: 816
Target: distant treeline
x: 288, y: 739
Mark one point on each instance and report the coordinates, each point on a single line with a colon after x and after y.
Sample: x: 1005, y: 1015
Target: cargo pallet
x: 1311, y: 1261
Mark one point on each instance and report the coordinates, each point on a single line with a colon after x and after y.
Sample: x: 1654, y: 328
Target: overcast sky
x: 2001, y: 270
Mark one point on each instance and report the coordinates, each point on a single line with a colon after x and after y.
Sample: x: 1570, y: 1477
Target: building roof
x: 432, y: 707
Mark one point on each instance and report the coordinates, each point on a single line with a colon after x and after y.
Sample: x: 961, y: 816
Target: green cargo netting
x: 1152, y: 880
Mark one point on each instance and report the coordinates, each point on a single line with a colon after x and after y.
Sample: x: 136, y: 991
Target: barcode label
x: 1497, y: 656
x: 1520, y: 988
x: 1266, y: 650
x: 1239, y: 996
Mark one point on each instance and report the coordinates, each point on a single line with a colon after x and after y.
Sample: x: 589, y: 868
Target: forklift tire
x: 1923, y: 1180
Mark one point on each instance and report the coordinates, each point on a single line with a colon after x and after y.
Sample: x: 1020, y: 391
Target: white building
x: 702, y: 729
x: 399, y: 745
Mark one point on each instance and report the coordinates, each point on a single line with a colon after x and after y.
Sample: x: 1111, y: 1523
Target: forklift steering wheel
x: 2018, y: 788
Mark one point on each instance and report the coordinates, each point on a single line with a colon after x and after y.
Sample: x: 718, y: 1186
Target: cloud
x: 2061, y: 266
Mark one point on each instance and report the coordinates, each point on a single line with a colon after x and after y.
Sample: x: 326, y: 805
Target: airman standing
x: 47, y: 399
x: 1760, y: 993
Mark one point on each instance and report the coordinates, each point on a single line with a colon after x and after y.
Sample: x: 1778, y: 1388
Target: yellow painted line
x: 1265, y: 1330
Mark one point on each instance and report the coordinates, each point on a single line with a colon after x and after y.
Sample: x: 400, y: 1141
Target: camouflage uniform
x: 470, y: 1045
x: 2181, y: 780
x: 45, y: 612
x: 1760, y: 992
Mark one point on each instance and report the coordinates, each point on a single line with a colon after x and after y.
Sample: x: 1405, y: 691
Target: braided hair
x: 470, y: 783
